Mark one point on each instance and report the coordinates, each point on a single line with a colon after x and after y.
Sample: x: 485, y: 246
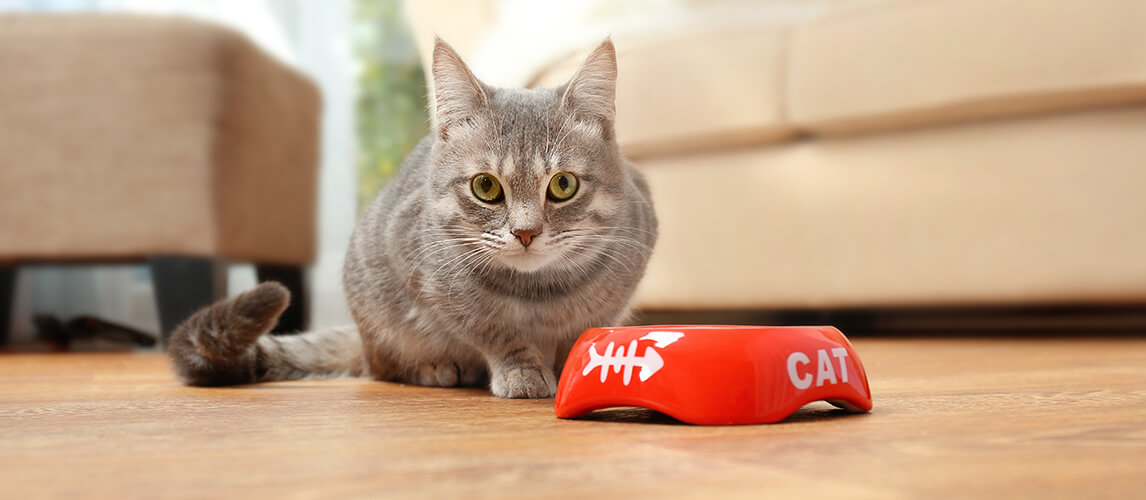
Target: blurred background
x: 887, y: 165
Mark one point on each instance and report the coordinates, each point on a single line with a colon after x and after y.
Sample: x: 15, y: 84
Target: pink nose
x: 525, y: 236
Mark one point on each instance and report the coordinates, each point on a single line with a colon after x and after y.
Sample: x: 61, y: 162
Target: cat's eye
x: 562, y: 186
x: 486, y: 188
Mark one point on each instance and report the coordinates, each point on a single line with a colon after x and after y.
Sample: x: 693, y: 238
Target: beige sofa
x: 900, y: 153
x: 129, y: 138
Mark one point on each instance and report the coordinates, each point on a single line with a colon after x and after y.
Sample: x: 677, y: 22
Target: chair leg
x: 184, y: 285
x: 7, y: 294
x: 296, y: 318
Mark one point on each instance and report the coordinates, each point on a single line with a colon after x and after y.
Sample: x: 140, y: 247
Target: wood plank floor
x: 966, y: 418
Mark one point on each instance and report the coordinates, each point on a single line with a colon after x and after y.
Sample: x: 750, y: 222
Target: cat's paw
x: 444, y: 374
x: 448, y: 373
x: 524, y: 382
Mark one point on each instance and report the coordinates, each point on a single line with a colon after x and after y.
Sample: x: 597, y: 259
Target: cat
x: 511, y: 228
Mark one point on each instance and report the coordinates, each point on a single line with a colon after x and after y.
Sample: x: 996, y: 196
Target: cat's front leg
x: 519, y: 370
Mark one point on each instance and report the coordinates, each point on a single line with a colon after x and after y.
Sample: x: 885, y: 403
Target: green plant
x: 391, y: 107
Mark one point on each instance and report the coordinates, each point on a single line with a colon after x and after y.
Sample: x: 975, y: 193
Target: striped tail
x: 226, y: 344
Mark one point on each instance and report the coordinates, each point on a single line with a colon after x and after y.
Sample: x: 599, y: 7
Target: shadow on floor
x: 813, y: 412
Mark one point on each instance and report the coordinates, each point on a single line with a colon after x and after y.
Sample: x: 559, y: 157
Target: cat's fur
x: 442, y: 291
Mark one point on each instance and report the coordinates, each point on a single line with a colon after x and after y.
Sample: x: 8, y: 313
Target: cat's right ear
x: 459, y: 97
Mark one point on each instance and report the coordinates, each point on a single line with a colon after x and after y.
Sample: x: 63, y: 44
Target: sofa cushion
x: 707, y: 88
x: 1040, y: 210
x: 915, y: 62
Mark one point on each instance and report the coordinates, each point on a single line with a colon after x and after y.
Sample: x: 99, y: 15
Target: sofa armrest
x: 461, y: 24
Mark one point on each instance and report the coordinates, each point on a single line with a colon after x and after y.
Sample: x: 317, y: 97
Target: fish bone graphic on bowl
x: 623, y: 360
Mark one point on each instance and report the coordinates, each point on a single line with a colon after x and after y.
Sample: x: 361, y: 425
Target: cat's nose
x: 525, y: 236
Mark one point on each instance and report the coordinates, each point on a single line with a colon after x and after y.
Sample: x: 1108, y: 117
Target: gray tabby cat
x: 508, y: 231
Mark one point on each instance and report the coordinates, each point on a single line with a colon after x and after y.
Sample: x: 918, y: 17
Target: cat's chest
x: 553, y: 310
x: 556, y: 315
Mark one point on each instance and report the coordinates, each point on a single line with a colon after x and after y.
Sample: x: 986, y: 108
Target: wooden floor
x: 965, y: 418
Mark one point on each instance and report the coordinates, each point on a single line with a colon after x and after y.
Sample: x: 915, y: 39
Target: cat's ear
x: 590, y: 94
x: 459, y: 97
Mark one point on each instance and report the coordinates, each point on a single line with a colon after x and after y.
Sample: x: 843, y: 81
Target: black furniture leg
x: 296, y: 317
x: 7, y: 294
x: 184, y: 285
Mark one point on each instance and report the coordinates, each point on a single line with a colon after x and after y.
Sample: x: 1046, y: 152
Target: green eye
x: 562, y: 186
x: 486, y: 188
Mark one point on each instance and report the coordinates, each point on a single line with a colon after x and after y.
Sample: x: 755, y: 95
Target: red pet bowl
x: 712, y: 375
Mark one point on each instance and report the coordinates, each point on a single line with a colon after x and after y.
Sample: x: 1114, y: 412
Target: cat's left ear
x: 591, y: 93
